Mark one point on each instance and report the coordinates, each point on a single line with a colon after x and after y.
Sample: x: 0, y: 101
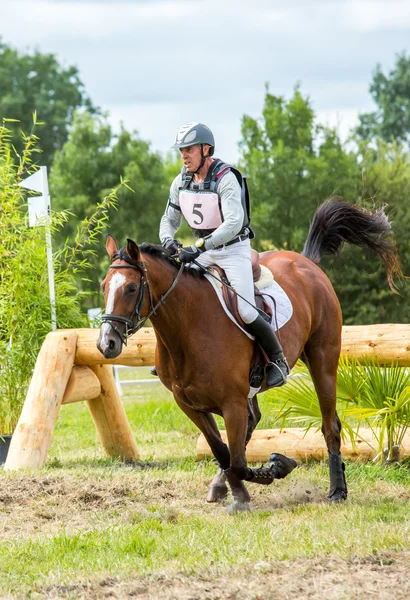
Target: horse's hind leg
x: 254, y: 416
x: 322, y: 360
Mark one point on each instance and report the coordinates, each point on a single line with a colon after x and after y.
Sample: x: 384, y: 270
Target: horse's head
x: 123, y: 288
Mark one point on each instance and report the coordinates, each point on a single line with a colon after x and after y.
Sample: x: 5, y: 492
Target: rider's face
x: 191, y: 155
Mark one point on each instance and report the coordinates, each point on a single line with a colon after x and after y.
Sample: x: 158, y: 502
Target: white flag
x: 35, y: 182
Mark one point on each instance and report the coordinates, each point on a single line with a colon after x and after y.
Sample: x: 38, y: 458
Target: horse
x: 204, y: 359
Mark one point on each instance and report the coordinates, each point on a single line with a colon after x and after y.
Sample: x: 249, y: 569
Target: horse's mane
x: 165, y: 255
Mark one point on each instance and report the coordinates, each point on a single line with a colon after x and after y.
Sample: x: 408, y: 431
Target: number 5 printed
x: 196, y: 212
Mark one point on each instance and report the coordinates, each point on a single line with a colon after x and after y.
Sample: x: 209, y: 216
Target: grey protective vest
x: 210, y: 184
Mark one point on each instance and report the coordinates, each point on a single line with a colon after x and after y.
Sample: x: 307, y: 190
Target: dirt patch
x: 384, y: 576
x: 38, y: 505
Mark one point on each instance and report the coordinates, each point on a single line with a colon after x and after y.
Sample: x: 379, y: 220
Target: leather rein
x: 136, y: 322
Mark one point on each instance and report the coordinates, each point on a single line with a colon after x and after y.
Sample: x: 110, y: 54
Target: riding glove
x: 172, y: 245
x: 189, y: 253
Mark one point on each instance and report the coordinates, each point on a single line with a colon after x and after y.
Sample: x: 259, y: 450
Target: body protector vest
x: 201, y: 204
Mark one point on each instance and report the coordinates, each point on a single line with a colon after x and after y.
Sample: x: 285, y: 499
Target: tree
x: 359, y: 279
x: 391, y: 94
x: 292, y: 166
x: 36, y: 82
x: 91, y: 162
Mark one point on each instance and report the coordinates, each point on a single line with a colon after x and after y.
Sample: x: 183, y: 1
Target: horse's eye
x: 131, y: 289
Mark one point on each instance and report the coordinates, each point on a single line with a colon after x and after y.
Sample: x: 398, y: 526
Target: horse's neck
x: 171, y: 317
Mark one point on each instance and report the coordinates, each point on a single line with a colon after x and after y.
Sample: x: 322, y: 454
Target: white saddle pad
x: 282, y: 312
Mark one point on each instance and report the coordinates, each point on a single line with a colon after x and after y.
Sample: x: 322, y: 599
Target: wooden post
x: 32, y: 437
x: 110, y: 418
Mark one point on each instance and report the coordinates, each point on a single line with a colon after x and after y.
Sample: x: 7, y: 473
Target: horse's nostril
x: 111, y: 344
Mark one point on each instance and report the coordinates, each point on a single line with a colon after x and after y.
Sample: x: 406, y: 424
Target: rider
x: 210, y: 195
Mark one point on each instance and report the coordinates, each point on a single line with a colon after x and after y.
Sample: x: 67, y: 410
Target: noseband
x: 136, y: 322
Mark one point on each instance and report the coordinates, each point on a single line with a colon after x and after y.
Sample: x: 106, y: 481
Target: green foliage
x: 292, y: 165
x: 391, y: 94
x: 384, y: 403
x: 89, y: 165
x: 297, y: 403
x: 358, y: 277
x: 24, y: 296
x: 36, y: 82
x: 367, y: 392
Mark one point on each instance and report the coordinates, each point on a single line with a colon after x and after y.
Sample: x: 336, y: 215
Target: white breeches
x: 236, y: 261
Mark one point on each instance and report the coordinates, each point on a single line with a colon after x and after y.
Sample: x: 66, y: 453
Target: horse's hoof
x: 281, y: 465
x: 217, y: 493
x: 338, y: 496
x: 237, y: 507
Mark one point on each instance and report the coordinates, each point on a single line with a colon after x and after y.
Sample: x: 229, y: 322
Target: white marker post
x: 39, y: 214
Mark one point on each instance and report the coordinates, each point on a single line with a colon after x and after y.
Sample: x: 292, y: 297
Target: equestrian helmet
x: 195, y: 133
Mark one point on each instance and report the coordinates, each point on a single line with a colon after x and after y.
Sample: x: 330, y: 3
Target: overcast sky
x: 157, y: 64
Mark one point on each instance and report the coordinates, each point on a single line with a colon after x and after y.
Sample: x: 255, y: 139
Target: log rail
x: 70, y: 368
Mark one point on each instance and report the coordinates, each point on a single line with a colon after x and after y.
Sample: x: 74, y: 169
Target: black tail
x: 336, y: 222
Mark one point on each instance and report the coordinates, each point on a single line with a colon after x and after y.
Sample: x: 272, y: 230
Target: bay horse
x: 204, y: 359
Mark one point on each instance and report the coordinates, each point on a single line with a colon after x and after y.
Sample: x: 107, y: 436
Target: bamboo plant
x: 24, y: 299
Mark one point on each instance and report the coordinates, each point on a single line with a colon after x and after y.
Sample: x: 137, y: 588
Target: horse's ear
x: 132, y: 250
x: 111, y: 245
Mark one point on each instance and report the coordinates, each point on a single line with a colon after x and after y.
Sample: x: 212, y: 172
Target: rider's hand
x: 172, y: 245
x: 189, y: 253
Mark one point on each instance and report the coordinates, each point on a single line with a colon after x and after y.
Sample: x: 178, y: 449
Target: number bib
x: 200, y: 209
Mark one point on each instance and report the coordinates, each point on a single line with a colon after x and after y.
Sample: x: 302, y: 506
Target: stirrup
x: 153, y: 371
x: 277, y: 372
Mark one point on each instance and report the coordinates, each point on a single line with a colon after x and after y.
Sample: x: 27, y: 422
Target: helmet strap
x: 203, y: 159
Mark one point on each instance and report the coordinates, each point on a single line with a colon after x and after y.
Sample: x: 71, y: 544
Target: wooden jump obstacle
x: 301, y: 445
x: 70, y: 368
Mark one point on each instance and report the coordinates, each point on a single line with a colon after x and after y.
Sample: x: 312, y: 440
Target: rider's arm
x: 171, y: 219
x: 230, y: 193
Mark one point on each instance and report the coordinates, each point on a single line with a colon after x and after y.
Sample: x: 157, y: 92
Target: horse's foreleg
x: 218, y: 490
x: 322, y: 363
x: 236, y: 423
x: 239, y: 431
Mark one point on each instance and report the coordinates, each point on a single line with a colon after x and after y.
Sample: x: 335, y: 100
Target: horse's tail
x: 336, y: 222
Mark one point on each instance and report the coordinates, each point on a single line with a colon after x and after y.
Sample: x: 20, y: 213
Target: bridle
x: 136, y: 322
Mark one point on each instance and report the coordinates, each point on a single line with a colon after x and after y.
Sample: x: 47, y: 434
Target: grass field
x: 89, y: 527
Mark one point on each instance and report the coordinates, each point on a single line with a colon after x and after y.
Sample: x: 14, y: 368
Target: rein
x: 136, y: 322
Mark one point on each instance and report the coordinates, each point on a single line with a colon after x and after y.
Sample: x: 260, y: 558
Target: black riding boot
x: 154, y: 371
x: 277, y: 370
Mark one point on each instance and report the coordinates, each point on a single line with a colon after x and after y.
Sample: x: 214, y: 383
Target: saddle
x: 262, y: 277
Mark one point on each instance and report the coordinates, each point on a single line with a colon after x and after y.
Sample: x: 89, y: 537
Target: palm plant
x: 384, y: 404
x: 297, y: 402
x: 367, y: 392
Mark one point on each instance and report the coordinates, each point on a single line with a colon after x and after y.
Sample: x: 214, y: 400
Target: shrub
x: 25, y: 312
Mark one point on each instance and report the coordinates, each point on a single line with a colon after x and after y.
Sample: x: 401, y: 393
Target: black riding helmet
x: 195, y: 133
